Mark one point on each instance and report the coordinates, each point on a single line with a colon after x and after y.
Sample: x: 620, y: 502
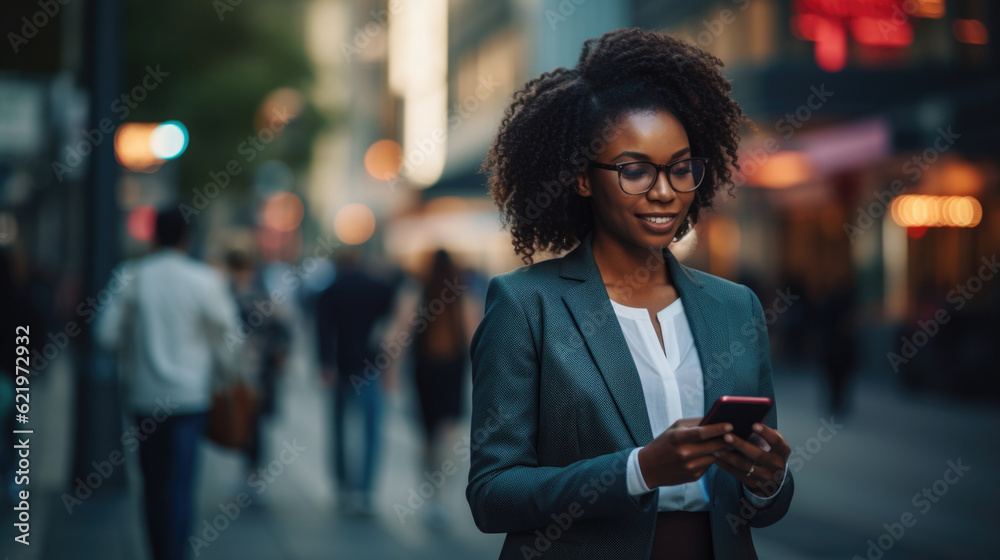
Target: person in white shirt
x: 169, y: 320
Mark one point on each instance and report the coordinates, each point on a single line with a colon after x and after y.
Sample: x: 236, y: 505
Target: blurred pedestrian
x: 836, y: 329
x: 262, y: 353
x: 440, y: 346
x: 171, y: 319
x: 352, y: 315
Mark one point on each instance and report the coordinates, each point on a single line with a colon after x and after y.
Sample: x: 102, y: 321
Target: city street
x: 855, y: 476
x: 193, y: 194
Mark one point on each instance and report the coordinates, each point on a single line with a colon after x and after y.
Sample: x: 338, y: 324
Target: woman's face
x: 646, y: 220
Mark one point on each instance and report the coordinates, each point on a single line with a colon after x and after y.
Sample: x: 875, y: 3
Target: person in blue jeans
x: 167, y: 459
x: 351, y: 318
x: 169, y: 320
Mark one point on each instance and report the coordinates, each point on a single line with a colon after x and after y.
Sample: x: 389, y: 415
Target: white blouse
x: 673, y: 388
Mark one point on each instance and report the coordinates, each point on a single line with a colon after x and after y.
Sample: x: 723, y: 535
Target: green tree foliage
x: 223, y: 59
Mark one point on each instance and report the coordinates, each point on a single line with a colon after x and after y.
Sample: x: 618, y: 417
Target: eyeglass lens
x: 683, y: 176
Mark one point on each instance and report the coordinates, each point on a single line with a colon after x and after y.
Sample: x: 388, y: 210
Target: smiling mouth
x: 657, y: 219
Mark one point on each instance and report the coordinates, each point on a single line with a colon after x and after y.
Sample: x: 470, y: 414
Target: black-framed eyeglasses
x: 637, y: 177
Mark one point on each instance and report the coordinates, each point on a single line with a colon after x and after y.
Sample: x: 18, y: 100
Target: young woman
x: 591, y: 372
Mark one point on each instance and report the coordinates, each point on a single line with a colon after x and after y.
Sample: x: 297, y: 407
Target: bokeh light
x: 970, y: 31
x: 383, y: 159
x: 278, y: 109
x: 168, y: 140
x: 782, y: 170
x: 354, y: 224
x: 141, y: 223
x: 283, y: 211
x: 936, y: 211
x: 133, y: 147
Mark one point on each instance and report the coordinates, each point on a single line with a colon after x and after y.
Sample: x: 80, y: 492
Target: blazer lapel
x: 708, y: 320
x: 590, y: 306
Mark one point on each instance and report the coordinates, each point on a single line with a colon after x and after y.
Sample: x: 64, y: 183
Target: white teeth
x: 658, y: 220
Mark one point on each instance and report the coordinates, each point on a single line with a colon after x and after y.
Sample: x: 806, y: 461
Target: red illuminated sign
x: 878, y: 23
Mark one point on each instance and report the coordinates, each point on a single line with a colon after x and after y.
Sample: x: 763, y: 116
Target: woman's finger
x: 734, y: 460
x: 745, y: 447
x: 774, y: 438
x: 759, y: 441
x: 740, y: 466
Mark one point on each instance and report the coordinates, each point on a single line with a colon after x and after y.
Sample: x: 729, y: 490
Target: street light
x: 168, y: 140
x: 143, y: 147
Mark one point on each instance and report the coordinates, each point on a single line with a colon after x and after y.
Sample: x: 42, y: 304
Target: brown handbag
x: 232, y: 417
x: 233, y: 411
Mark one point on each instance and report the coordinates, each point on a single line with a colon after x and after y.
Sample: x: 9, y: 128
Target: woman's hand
x: 682, y: 453
x: 759, y: 463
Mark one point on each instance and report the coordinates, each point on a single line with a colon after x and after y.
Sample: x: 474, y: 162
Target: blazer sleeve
x: 508, y: 490
x: 776, y: 508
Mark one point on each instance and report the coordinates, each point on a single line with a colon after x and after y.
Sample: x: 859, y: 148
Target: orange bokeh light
x: 921, y: 210
x: 354, y: 224
x: 782, y: 170
x: 132, y: 147
x: 971, y: 31
x: 384, y: 159
x: 278, y: 108
x: 283, y: 211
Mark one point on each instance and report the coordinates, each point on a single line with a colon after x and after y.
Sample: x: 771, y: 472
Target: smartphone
x: 741, y: 412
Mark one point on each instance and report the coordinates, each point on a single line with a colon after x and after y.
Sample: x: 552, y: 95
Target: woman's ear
x: 583, y: 185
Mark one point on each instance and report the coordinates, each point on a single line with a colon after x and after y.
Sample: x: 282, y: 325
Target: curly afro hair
x: 559, y: 120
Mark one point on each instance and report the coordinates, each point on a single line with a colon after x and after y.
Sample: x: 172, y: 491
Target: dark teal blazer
x: 558, y: 406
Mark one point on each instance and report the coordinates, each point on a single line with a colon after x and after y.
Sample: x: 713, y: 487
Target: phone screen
x: 741, y: 412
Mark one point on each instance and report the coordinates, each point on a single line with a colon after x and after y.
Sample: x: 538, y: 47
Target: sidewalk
x: 288, y: 514
x: 847, y: 487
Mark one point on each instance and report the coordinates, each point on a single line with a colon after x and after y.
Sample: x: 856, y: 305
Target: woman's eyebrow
x: 631, y: 154
x: 639, y: 155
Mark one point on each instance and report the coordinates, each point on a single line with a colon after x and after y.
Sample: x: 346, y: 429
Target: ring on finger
x: 750, y: 472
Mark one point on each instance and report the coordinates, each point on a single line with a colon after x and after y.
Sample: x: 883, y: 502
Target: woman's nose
x: 661, y: 189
